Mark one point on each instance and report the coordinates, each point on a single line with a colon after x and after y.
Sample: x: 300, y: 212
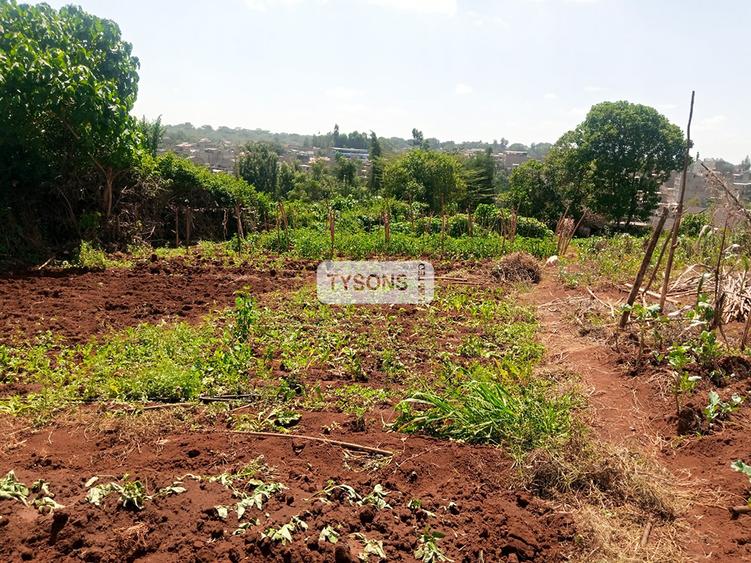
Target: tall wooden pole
x: 644, y: 265
x: 678, y: 212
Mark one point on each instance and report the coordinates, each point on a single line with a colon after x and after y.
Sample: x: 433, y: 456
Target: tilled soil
x: 465, y: 487
x: 78, y: 305
x: 469, y: 489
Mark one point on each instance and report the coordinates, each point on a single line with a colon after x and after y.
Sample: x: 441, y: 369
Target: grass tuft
x: 520, y: 417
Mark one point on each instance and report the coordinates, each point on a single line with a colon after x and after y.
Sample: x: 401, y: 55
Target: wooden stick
x: 177, y: 226
x: 188, y: 224
x: 679, y: 210
x: 746, y: 329
x: 345, y: 445
x: 718, y: 266
x: 226, y: 398
x: 645, y: 534
x: 650, y: 293
x: 738, y: 510
x: 643, y: 268
x: 238, y: 218
x: 653, y: 275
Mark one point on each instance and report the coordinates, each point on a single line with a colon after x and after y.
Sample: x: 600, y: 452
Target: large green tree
x: 628, y: 151
x: 432, y: 177
x: 258, y: 164
x: 67, y: 85
x: 479, y: 174
x: 533, y: 192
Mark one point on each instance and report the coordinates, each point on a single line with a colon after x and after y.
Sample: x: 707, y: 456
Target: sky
x: 526, y: 70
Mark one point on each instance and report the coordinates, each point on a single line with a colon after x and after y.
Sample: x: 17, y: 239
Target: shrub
x: 532, y: 228
x: 458, y: 225
x: 428, y: 226
x: 486, y: 215
x: 693, y: 223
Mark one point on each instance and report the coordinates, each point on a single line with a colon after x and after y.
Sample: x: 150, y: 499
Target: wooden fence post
x: 177, y: 226
x: 678, y: 212
x: 238, y: 218
x: 643, y: 269
x: 188, y: 224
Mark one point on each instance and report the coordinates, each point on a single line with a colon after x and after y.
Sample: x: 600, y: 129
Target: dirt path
x: 630, y: 410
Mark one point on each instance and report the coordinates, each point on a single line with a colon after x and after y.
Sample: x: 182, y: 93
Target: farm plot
x: 263, y: 425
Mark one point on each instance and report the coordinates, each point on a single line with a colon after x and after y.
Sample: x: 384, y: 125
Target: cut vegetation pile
x: 518, y: 267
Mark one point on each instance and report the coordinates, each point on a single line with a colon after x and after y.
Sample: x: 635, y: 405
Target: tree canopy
x: 630, y: 150
x: 67, y: 85
x: 425, y: 176
x: 258, y: 164
x: 613, y: 163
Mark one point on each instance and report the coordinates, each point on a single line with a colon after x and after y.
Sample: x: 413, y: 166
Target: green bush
x: 532, y: 228
x: 693, y: 223
x: 458, y: 225
x: 486, y: 215
x: 428, y: 225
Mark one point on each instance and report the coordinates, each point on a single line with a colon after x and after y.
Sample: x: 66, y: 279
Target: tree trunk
x: 109, y: 181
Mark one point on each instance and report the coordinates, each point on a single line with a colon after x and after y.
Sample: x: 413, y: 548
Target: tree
x: 258, y: 164
x: 533, y: 193
x: 152, y: 134
x: 629, y: 151
x: 745, y: 163
x: 417, y: 138
x: 335, y: 136
x: 724, y: 167
x: 539, y: 150
x: 375, y: 177
x: 421, y: 175
x: 346, y: 171
x: 67, y: 85
x: 479, y: 175
x: 517, y: 147
x: 286, y: 179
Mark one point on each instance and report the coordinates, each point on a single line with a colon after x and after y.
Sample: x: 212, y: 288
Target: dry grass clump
x: 613, y: 494
x: 518, y: 267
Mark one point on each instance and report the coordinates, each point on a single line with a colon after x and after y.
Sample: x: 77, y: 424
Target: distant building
x: 512, y: 159
x: 362, y: 154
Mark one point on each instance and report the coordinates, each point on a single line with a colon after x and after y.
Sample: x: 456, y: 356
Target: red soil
x: 488, y: 518
x: 77, y: 305
x: 485, y: 518
x: 637, y: 410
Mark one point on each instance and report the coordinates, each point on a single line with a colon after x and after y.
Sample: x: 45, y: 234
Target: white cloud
x: 480, y: 20
x: 463, y: 89
x: 578, y: 111
x: 342, y: 93
x: 551, y: 96
x: 593, y: 88
x: 264, y: 5
x: 710, y: 123
x: 444, y: 7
